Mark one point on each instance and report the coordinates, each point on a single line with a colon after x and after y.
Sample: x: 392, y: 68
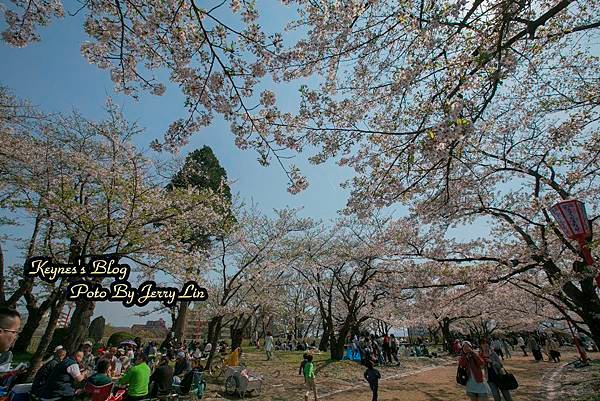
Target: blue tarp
x: 350, y: 357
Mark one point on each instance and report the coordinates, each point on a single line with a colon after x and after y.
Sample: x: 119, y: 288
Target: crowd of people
x: 536, y: 344
x: 144, y: 375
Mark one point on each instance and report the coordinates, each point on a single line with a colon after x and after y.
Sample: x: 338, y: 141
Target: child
x: 372, y: 375
x: 309, y: 377
x: 304, y: 357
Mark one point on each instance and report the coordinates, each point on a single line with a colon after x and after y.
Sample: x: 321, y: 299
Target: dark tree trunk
x: 36, y: 314
x: 447, y: 336
x: 79, y: 325
x: 34, y: 318
x: 38, y: 356
x: 180, y: 320
x: 237, y: 336
x: 325, y: 339
x: 214, y: 332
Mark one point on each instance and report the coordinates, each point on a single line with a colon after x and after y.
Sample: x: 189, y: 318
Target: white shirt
x: 74, y: 371
x: 520, y: 341
x: 208, y: 347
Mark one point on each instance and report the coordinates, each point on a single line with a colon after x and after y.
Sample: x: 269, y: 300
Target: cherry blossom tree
x: 245, y: 263
x: 83, y: 206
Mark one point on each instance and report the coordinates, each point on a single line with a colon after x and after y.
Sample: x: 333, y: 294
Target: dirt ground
x: 418, y: 379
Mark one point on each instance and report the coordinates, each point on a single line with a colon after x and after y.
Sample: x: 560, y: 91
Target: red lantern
x: 574, y: 224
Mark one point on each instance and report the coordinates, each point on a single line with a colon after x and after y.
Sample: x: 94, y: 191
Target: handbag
x: 462, y: 376
x: 507, y: 381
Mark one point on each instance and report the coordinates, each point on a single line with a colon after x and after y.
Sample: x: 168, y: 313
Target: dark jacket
x: 161, y: 381
x: 60, y: 383
x: 188, y: 380
x: 41, y: 377
x: 182, y: 366
x: 372, y: 375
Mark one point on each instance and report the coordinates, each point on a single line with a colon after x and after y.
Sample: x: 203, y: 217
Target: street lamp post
x: 574, y: 224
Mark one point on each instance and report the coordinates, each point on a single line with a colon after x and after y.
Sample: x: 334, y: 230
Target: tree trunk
x: 79, y: 325
x: 325, y: 339
x: 337, y: 346
x: 34, y: 318
x: 180, y: 320
x: 214, y: 332
x: 38, y: 356
x: 237, y: 336
x: 447, y: 336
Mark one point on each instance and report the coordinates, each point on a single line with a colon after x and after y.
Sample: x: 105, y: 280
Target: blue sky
x: 54, y: 76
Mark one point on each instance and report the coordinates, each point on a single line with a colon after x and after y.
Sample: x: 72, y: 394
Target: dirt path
x: 438, y: 384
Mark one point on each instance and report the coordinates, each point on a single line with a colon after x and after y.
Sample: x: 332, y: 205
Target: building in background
x: 157, y: 327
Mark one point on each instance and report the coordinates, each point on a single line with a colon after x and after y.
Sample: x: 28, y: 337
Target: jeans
x: 496, y: 392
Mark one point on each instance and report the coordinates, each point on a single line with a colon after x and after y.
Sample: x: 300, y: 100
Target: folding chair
x: 98, y: 393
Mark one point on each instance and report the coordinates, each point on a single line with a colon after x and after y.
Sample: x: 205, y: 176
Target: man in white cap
x: 88, y: 361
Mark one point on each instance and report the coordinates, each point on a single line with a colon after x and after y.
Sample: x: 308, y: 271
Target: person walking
x: 386, y: 347
x: 395, y: 348
x: 372, y: 376
x: 476, y: 388
x: 521, y: 344
x: 494, y: 370
x: 505, y: 347
x: 269, y: 345
x: 309, y: 378
x: 534, y: 347
x: 497, y: 347
x: 554, y: 349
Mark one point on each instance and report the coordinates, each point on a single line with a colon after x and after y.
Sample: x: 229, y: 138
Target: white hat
x: 58, y: 348
x: 88, y: 343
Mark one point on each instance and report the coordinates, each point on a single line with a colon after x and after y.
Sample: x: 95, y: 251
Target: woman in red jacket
x: 477, y: 388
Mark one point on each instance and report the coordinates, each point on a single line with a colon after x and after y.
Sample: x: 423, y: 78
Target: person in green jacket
x: 138, y: 378
x: 309, y: 377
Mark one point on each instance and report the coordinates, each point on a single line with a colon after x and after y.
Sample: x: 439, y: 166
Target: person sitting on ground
x: 161, y: 379
x: 207, y: 349
x: 88, y: 361
x: 41, y: 377
x: 182, y: 367
x: 10, y: 321
x: 138, y: 378
x: 60, y: 384
x: 101, y: 377
x: 188, y: 379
